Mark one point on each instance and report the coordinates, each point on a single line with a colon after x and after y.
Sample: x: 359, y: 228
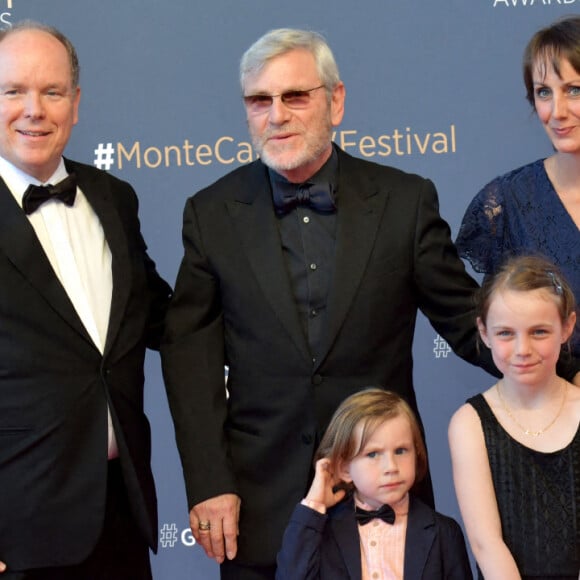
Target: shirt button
x: 375, y: 574
x: 313, y: 266
x: 305, y: 219
x: 373, y: 543
x: 314, y: 312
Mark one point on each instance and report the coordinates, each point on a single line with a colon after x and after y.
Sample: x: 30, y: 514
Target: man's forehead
x: 25, y: 50
x: 285, y: 71
x: 29, y: 36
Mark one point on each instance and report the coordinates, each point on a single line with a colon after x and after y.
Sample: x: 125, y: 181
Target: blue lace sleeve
x: 480, y: 238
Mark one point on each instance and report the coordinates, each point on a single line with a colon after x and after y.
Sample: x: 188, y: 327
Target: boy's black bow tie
x: 385, y: 513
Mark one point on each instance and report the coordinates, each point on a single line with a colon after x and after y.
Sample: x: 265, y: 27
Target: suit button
x: 317, y: 379
x: 306, y: 439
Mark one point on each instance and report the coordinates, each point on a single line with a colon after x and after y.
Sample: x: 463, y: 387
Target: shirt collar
x: 18, y: 181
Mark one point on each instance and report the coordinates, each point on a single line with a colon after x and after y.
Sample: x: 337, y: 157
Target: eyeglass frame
x: 282, y: 97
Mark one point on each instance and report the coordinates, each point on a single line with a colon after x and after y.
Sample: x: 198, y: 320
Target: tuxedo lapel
x: 419, y: 538
x: 360, y: 211
x: 19, y: 243
x: 254, y: 221
x: 98, y: 193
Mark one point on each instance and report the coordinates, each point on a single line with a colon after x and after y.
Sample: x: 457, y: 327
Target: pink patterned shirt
x: 382, y: 545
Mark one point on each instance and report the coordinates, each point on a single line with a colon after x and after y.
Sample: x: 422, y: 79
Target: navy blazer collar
x: 419, y: 537
x: 344, y: 528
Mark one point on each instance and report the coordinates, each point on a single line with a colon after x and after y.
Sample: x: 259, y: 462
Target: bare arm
x: 476, y: 496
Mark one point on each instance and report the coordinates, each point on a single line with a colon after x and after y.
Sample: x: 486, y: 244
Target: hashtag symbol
x: 441, y: 348
x: 168, y: 535
x: 104, y: 156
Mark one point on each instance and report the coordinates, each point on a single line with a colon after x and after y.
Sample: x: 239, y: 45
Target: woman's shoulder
x: 527, y: 178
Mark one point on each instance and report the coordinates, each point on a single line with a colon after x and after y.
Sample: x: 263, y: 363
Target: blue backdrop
x: 432, y: 87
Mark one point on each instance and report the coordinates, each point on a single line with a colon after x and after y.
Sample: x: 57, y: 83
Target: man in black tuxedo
x: 303, y: 272
x: 80, y: 300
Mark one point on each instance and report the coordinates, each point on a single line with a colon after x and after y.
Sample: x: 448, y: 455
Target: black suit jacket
x: 233, y: 305
x: 55, y: 385
x: 327, y: 547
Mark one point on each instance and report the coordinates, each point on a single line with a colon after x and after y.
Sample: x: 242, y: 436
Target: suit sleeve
x: 299, y: 556
x: 192, y: 355
x: 160, y: 291
x: 446, y: 291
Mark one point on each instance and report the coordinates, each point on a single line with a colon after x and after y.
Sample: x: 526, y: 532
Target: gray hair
x: 282, y: 40
x: 70, y: 49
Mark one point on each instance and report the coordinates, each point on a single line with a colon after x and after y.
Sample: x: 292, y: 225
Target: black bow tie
x: 316, y: 195
x: 36, y: 195
x: 385, y: 513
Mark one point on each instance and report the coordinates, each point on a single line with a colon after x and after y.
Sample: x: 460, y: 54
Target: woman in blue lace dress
x: 536, y: 208
x: 515, y: 448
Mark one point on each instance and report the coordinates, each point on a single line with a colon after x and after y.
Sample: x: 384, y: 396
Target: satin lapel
x: 345, y: 532
x: 254, y: 221
x: 360, y: 211
x: 19, y: 243
x: 419, y: 538
x: 96, y: 189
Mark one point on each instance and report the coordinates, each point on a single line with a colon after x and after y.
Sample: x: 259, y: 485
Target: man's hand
x: 2, y: 567
x: 214, y: 524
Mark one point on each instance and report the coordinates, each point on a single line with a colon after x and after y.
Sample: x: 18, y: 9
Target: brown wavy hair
x: 369, y: 408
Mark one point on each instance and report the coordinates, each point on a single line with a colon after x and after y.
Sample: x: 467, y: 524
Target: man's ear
x: 337, y: 104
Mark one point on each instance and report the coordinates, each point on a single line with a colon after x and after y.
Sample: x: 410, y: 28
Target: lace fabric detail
x: 521, y: 213
x: 538, y: 497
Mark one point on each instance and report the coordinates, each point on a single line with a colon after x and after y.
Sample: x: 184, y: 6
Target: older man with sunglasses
x: 303, y: 273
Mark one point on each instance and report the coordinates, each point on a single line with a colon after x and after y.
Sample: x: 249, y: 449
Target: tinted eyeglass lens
x: 297, y: 99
